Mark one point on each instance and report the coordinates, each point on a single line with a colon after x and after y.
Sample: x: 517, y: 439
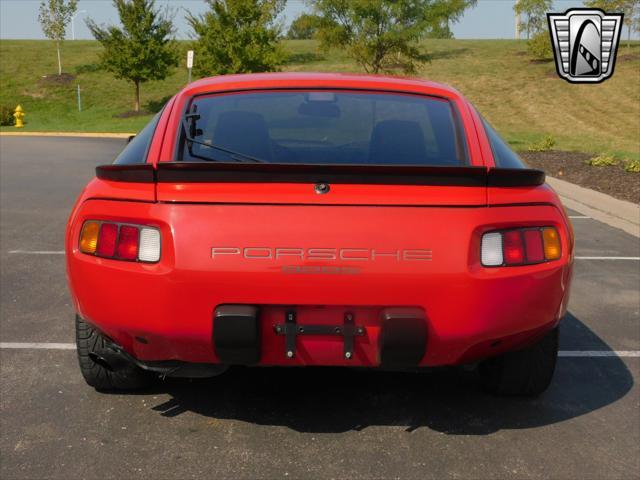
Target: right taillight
x: 520, y: 246
x: 120, y: 241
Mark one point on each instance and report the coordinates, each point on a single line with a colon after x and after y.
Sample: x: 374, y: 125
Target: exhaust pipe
x: 109, y: 359
x: 114, y: 359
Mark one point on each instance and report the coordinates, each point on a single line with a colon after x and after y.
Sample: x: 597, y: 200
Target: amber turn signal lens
x: 551, y: 243
x: 89, y: 237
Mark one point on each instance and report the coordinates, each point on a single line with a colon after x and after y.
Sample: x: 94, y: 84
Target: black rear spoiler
x: 135, y: 173
x: 241, y: 172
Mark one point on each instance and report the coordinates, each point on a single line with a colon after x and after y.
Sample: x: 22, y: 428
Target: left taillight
x: 120, y: 241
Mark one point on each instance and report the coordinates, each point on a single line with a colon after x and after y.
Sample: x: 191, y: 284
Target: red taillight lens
x: 513, y: 247
x: 535, y: 249
x: 107, y: 240
x: 128, y: 243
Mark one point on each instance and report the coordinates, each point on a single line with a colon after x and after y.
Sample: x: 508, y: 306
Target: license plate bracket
x: 290, y: 329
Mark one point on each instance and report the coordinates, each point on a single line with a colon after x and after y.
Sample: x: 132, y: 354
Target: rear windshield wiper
x: 191, y: 131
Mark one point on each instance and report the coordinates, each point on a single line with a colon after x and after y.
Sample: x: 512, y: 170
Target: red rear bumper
x: 165, y: 311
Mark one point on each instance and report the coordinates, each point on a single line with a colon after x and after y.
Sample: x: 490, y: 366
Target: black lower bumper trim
x: 403, y: 337
x: 236, y: 334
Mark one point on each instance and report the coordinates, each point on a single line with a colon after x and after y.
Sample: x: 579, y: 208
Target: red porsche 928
x: 318, y: 219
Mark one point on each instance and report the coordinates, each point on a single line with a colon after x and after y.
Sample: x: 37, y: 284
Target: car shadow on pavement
x: 333, y: 400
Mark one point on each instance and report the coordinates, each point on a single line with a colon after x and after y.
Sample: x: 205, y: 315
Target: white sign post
x: 190, y: 63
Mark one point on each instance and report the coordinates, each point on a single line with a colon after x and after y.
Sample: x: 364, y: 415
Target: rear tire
x: 99, y: 376
x: 526, y: 372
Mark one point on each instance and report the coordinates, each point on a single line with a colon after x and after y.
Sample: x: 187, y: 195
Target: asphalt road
x: 297, y: 423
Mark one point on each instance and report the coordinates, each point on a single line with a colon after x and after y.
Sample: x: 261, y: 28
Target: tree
x: 630, y: 8
x: 379, y: 34
x: 54, y: 17
x: 448, y: 12
x: 303, y: 27
x: 535, y: 12
x: 237, y: 36
x: 143, y: 49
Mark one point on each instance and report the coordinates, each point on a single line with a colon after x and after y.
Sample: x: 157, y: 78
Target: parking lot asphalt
x: 297, y: 423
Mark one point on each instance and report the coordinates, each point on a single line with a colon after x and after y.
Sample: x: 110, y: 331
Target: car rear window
x: 503, y: 156
x: 136, y: 150
x: 322, y: 127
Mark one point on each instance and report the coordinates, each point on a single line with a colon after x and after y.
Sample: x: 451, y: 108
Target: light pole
x: 518, y: 24
x: 73, y: 27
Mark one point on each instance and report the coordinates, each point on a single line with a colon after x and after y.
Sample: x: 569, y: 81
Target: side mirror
x: 131, y: 137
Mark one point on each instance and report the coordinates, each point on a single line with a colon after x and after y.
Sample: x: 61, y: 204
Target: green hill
x: 525, y: 100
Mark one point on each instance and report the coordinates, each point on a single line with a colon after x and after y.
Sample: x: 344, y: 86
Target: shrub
x: 603, y: 160
x: 539, y: 47
x: 6, y: 116
x: 632, y: 166
x: 543, y: 145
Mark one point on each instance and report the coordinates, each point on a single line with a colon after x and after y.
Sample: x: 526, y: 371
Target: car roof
x: 267, y: 81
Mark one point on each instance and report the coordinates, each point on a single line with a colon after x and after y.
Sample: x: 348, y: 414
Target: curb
x: 599, y: 206
x: 66, y: 134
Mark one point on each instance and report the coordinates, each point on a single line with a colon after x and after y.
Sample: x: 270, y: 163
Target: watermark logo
x: 585, y: 43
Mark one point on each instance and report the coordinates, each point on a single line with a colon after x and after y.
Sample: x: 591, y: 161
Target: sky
x: 19, y: 18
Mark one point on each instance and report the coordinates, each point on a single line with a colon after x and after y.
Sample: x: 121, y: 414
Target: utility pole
x: 517, y: 24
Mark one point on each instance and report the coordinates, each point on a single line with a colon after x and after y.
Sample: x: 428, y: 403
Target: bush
x: 543, y: 145
x: 6, y: 116
x: 632, y: 166
x: 603, y: 160
x: 539, y: 47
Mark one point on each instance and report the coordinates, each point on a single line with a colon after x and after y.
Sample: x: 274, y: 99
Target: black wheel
x: 98, y: 373
x: 526, y: 372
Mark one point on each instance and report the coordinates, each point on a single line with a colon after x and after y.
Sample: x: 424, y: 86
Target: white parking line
x: 41, y: 346
x: 608, y: 258
x: 599, y: 353
x: 561, y: 353
x: 578, y: 216
x: 37, y: 252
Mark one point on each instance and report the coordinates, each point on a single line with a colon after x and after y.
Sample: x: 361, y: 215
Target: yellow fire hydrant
x: 18, y: 115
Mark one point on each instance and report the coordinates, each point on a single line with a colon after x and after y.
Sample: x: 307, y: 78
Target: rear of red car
x: 316, y: 220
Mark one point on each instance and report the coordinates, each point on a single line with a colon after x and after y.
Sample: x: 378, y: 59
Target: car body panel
x: 472, y: 312
x: 171, y: 303
x: 303, y: 194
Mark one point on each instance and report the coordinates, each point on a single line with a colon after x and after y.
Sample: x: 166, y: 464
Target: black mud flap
x: 236, y: 334
x: 403, y: 337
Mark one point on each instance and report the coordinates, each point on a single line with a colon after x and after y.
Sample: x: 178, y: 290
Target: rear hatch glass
x: 322, y: 127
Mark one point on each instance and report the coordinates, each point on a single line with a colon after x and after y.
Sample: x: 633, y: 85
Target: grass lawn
x: 526, y: 101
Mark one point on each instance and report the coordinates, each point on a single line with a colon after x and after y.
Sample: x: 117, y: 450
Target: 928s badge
x: 585, y: 43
